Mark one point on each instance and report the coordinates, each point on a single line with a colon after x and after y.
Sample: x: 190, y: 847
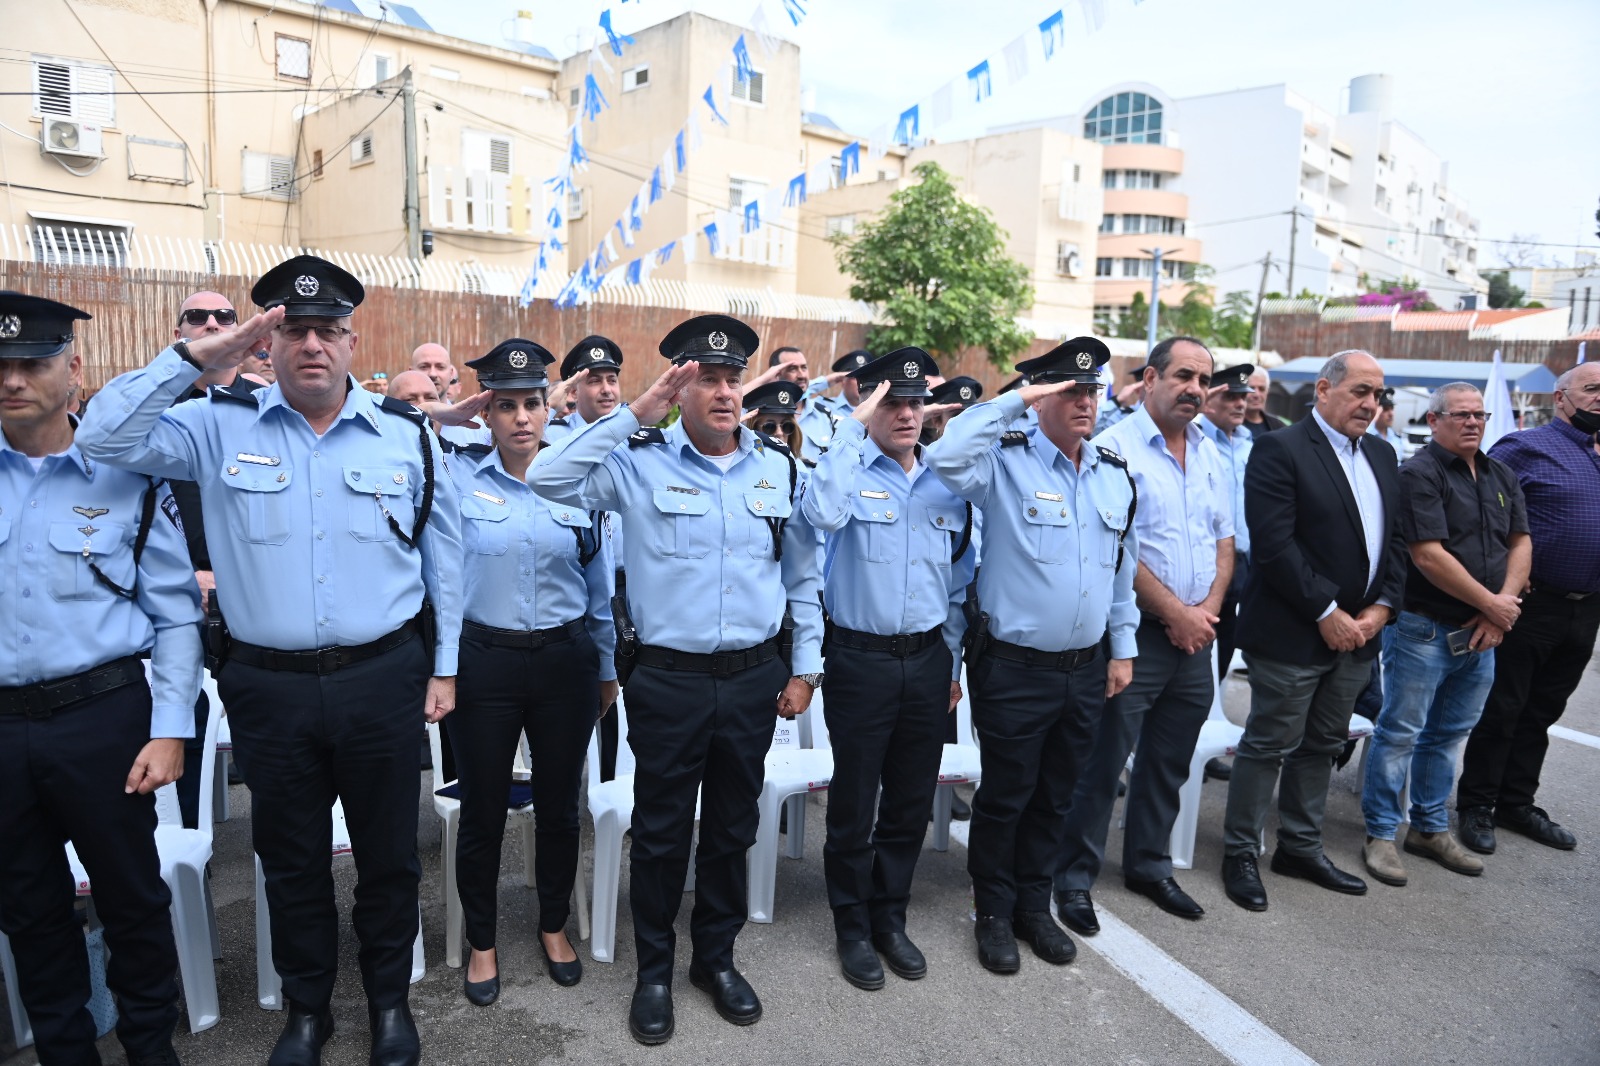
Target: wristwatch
x: 182, y: 348
x: 814, y: 680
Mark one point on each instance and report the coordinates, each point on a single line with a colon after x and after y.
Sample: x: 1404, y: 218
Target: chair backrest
x: 167, y: 812
x: 816, y: 723
x: 436, y: 747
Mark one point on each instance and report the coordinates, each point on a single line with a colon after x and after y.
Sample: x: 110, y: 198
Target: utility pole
x: 1294, y: 233
x: 413, y: 212
x: 1155, y: 297
x: 1261, y: 294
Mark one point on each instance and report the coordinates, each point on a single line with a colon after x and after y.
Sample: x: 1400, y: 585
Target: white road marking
x: 1573, y: 735
x: 1240, y: 1036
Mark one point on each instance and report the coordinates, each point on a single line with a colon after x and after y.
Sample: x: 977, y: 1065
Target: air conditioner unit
x: 68, y: 136
x: 1069, y: 263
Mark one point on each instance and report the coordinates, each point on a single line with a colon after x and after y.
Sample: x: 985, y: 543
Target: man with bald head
x: 434, y: 361
x: 412, y: 387
x: 1322, y: 500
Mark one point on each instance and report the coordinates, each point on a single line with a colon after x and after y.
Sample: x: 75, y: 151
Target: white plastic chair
x: 269, y: 986
x: 21, y: 1028
x: 1218, y: 737
x: 611, y: 809
x: 219, y: 788
x: 959, y: 763
x: 792, y: 773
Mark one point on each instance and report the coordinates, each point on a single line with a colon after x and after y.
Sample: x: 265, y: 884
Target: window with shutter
x: 742, y: 191
x: 269, y: 177
x: 752, y: 91
x: 361, y: 149
x: 575, y: 208
x: 499, y: 155
x: 68, y: 242
x: 294, y: 58
x: 73, y: 90
x: 636, y: 77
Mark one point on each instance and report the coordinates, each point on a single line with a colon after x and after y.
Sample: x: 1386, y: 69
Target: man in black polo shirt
x: 1466, y: 524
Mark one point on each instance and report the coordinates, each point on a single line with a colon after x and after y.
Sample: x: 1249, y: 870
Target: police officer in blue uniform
x: 714, y: 558
x: 93, y: 574
x: 898, y: 563
x: 537, y: 648
x: 823, y: 414
x: 953, y: 395
x: 336, y: 544
x: 774, y: 410
x: 1055, y: 593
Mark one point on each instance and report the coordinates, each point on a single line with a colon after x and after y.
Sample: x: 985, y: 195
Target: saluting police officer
x: 954, y: 395
x: 93, y: 576
x: 713, y: 559
x: 1057, y: 578
x: 330, y: 532
x: 823, y: 414
x: 897, y: 569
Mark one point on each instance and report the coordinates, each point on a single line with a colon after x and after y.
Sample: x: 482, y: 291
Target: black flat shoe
x: 565, y: 974
x: 1319, y: 871
x: 481, y: 993
x: 650, y: 1015
x: 860, y: 965
x: 1044, y: 936
x: 1241, y: 880
x: 1166, y: 894
x: 1477, y: 829
x: 304, y: 1032
x: 903, y: 957
x: 165, y: 1057
x: 394, y: 1037
x: 960, y: 809
x: 997, y: 945
x: 730, y: 993
x: 1533, y: 823
x: 1219, y: 769
x: 1077, y: 911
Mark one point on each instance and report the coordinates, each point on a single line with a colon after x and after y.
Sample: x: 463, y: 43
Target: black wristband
x: 182, y: 348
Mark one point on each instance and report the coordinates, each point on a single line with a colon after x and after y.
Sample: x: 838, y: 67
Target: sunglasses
x: 771, y: 427
x: 196, y: 316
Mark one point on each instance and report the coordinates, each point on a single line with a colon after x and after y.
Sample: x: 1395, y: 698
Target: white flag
x: 1497, y: 401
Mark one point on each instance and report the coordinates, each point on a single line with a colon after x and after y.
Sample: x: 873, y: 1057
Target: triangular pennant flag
x: 655, y: 185
x: 978, y: 78
x: 752, y: 216
x: 664, y: 253
x: 635, y: 221
x: 1017, y: 59
x: 577, y: 158
x: 669, y: 172
x: 797, y: 191
x: 906, y: 131
x: 627, y: 235
x: 943, y: 106
x: 610, y: 247
x: 1053, y: 33
x: 632, y: 273
x: 696, y: 136
x: 794, y: 10
x: 615, y: 41
x: 712, y: 104
x: 680, y: 158
x: 743, y: 69
x: 764, y: 35
x: 713, y: 242
x: 849, y: 161
x: 1094, y: 13
x: 593, y: 101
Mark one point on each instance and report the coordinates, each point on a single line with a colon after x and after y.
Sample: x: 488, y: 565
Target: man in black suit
x: 1322, y: 502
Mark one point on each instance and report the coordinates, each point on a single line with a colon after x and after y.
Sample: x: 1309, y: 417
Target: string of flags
x: 1021, y: 58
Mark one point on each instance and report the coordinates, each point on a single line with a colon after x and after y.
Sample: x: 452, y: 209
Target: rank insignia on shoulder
x: 1011, y: 438
x: 648, y: 435
x: 1111, y: 457
x: 559, y: 421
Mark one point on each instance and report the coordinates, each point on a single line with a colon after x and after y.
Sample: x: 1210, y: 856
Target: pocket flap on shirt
x: 1117, y: 520
x: 384, y: 480
x: 68, y: 537
x: 872, y: 509
x: 574, y: 517
x: 249, y: 478
x: 767, y: 504
x: 952, y: 519
x: 482, y: 510
x: 669, y: 501
x: 1045, y: 512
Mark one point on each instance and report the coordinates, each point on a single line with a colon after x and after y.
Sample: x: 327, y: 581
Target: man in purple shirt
x: 1543, y: 658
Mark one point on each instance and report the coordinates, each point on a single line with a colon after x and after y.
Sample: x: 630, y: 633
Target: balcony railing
x: 477, y: 201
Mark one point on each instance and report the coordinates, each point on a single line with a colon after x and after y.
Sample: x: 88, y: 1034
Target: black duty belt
x: 529, y: 640
x: 321, y: 660
x: 45, y: 698
x: 1054, y: 660
x: 901, y: 646
x: 717, y: 663
x: 1546, y: 590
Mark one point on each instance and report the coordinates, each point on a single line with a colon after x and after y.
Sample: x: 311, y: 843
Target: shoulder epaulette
x: 562, y: 421
x: 401, y: 408
x: 1111, y: 457
x: 234, y: 394
x: 810, y: 464
x: 774, y: 443
x: 648, y: 435
x: 1011, y: 438
x: 472, y: 451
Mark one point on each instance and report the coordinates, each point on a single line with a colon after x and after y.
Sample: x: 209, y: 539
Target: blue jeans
x: 1432, y: 699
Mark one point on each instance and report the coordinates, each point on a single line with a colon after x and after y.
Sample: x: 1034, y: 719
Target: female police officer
x: 536, y: 657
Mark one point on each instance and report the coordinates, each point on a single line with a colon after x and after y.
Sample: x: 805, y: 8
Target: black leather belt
x: 529, y: 640
x: 1054, y: 660
x: 45, y: 698
x: 1545, y: 590
x: 321, y: 660
x: 717, y: 663
x: 901, y: 646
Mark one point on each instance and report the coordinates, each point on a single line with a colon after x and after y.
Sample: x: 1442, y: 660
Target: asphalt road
x: 1499, y: 969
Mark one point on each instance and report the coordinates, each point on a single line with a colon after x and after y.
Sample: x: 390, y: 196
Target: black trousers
x: 188, y: 786
x: 608, y: 724
x: 694, y: 733
x: 1229, y: 613
x: 1536, y: 669
x: 302, y: 741
x: 1034, y: 726
x: 553, y: 696
x: 886, y: 721
x: 61, y: 779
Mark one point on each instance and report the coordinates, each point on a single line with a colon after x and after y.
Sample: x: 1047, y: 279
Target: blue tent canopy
x: 1430, y: 373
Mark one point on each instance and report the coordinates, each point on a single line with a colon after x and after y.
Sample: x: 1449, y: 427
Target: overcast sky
x: 1507, y: 92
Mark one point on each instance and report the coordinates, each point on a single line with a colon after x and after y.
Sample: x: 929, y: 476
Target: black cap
x: 717, y: 339
x: 905, y: 369
x: 1079, y: 359
x: 32, y: 327
x: 1237, y: 378
x: 852, y: 360
x: 776, y: 397
x: 1015, y: 383
x: 962, y: 390
x: 514, y: 364
x: 308, y: 286
x: 1386, y: 398
x: 592, y: 353
x: 1138, y: 371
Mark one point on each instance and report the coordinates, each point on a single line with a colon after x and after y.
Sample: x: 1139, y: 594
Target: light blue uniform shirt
x: 1183, y: 511
x: 1109, y: 413
x: 554, y: 433
x: 1234, y: 448
x: 888, y: 543
x: 303, y: 554
x: 1051, y: 531
x: 56, y: 620
x: 522, y: 566
x: 701, y: 576
x: 819, y: 420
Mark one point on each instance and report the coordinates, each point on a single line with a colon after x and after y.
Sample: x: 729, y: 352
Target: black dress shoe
x: 1166, y: 894
x: 304, y: 1033
x: 902, y: 955
x: 1319, y: 871
x: 480, y: 993
x: 1217, y: 769
x: 1045, y: 936
x: 1241, y: 880
x: 1477, y: 829
x: 565, y: 974
x: 1077, y: 910
x: 650, y: 1016
x: 960, y: 809
x: 1534, y: 823
x: 394, y: 1037
x: 860, y: 965
x: 730, y: 993
x: 997, y: 945
x: 165, y: 1057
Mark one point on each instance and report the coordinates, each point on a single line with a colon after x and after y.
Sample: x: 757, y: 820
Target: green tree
x: 937, y: 266
x: 1135, y: 321
x: 1501, y: 292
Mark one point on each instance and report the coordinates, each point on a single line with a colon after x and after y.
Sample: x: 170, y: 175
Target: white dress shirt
x: 1364, y: 486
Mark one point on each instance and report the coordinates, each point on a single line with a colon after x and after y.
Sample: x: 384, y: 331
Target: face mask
x: 1586, y: 421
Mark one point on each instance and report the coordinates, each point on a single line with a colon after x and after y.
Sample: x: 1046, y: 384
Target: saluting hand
x: 440, y: 700
x: 223, y: 351
x: 556, y: 398
x: 1032, y: 394
x: 464, y: 413
x: 864, y: 412
x: 662, y: 395
x: 160, y: 762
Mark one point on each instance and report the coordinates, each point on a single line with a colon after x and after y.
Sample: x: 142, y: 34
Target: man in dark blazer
x: 1322, y: 501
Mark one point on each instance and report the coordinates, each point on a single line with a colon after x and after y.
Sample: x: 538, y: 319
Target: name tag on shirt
x: 485, y: 496
x: 874, y: 494
x: 1053, y: 497
x: 259, y: 460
